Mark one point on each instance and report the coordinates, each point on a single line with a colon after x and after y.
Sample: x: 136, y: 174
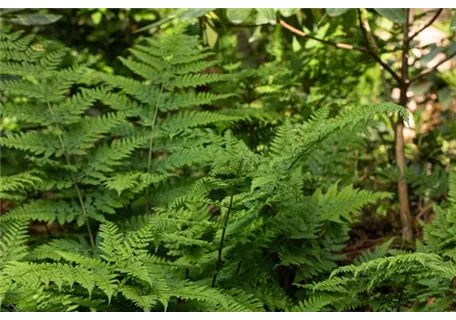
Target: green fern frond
x: 112, y: 239
x: 45, y: 210
x: 313, y: 304
x: 13, y: 241
x: 91, y: 129
x: 190, y: 119
x: 52, y: 249
x: 14, y: 186
x: 122, y: 181
x: 107, y: 157
x: 38, y: 143
x: 141, y: 300
x: 335, y: 204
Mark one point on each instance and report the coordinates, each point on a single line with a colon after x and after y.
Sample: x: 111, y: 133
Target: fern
x: 64, y: 136
x: 440, y: 235
x: 153, y: 200
x: 13, y: 242
x: 354, y: 286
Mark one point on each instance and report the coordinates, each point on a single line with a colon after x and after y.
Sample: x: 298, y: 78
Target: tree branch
x: 240, y: 25
x: 343, y: 46
x: 370, y: 40
x: 331, y: 43
x: 427, y: 71
x: 372, y: 52
x: 361, y: 26
x: 426, y: 25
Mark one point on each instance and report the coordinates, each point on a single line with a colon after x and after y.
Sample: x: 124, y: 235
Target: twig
x: 363, y: 30
x: 374, y: 55
x: 343, y: 46
x: 246, y: 25
x: 426, y: 209
x: 328, y: 42
x: 48, y: 231
x: 426, y: 25
x: 370, y: 41
x: 427, y: 71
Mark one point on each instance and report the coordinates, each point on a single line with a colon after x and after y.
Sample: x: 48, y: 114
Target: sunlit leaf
x: 265, y: 16
x: 182, y: 14
x: 194, y: 13
x: 238, y: 16
x: 9, y: 10
x: 445, y: 97
x: 211, y: 36
x: 296, y: 46
x: 453, y: 21
x: 395, y: 15
x: 287, y: 12
x: 35, y: 19
x: 334, y: 12
x: 96, y: 17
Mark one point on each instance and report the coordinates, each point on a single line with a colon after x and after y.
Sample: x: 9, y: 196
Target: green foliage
x: 440, y: 235
x: 453, y: 22
x: 363, y: 287
x: 395, y: 15
x: 334, y: 12
x: 14, y: 16
x: 178, y: 178
x: 402, y: 281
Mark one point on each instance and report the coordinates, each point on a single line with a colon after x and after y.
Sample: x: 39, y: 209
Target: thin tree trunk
x: 402, y: 188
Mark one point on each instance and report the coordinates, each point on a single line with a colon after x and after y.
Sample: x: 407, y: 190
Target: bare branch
x: 428, y: 71
x: 361, y: 26
x: 426, y: 25
x: 344, y: 46
x: 374, y: 54
x: 370, y: 41
x: 331, y: 43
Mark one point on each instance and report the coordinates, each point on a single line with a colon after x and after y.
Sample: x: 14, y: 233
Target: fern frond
x: 335, y: 204
x: 91, y: 129
x: 107, y: 157
x: 141, y: 300
x: 13, y: 241
x: 38, y: 143
x: 112, y: 239
x: 45, y: 210
x: 190, y: 119
x: 313, y: 304
x: 14, y: 186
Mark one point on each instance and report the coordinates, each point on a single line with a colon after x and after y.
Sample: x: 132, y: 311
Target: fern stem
x: 73, y: 179
x: 238, y: 268
x: 86, y: 216
x: 398, y: 307
x: 305, y: 152
x: 151, y: 140
x: 218, y: 264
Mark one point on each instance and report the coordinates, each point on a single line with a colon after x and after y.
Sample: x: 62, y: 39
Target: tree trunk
x: 402, y: 188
